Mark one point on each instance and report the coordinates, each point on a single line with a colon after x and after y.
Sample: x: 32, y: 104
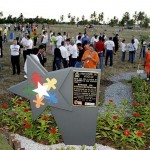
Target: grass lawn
x: 7, y: 80
x: 4, y: 143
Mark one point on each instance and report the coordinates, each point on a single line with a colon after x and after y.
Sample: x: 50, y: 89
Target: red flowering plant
x: 54, y: 135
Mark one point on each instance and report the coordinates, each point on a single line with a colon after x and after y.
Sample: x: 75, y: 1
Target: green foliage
x: 126, y: 125
x: 18, y: 118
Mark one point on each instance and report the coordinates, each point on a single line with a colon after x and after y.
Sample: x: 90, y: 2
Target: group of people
x: 79, y: 51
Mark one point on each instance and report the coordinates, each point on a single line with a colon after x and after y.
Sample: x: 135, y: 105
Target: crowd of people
x: 79, y: 51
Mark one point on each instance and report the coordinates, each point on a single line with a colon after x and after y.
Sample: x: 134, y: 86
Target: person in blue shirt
x: 85, y: 38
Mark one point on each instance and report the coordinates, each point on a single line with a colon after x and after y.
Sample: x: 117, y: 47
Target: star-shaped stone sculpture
x: 50, y: 90
x: 58, y: 89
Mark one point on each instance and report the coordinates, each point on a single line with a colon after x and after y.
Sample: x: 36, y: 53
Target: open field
x: 7, y: 80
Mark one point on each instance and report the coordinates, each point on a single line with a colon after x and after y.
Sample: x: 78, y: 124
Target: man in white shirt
x: 44, y: 39
x: 73, y: 53
x: 123, y: 48
x: 58, y: 40
x: 79, y: 40
x: 64, y: 54
x: 29, y: 45
x: 15, y: 59
x: 24, y: 43
x: 35, y: 57
x: 64, y: 37
x: 78, y: 36
x: 109, y: 45
x: 136, y: 45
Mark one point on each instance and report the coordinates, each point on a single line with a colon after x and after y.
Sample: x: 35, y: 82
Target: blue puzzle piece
x: 51, y: 98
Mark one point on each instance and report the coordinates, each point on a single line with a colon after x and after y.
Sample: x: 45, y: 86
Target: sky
x: 55, y: 8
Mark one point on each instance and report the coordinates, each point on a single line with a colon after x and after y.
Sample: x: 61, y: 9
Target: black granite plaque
x: 85, y: 88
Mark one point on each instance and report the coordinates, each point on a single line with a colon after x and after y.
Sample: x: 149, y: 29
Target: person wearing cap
x: 147, y: 62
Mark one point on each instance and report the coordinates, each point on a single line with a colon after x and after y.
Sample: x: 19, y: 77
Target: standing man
x: 99, y: 46
x: 1, y: 45
x: 29, y: 45
x: 109, y: 45
x: 59, y: 39
x: 5, y: 34
x: 85, y: 38
x: 53, y: 43
x: 15, y: 59
x: 24, y: 44
x: 44, y: 39
x: 35, y: 35
x: 136, y: 45
x: 79, y: 58
x: 64, y: 54
x: 73, y: 53
x: 116, y: 42
x: 42, y: 55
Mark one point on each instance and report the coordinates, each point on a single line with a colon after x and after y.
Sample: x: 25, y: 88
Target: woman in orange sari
x: 147, y: 62
x: 90, y: 58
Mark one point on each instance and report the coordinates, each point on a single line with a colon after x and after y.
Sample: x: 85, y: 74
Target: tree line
x: 138, y: 18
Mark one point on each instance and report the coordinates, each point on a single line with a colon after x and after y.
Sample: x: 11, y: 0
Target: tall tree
x: 94, y: 16
x: 69, y: 15
x: 1, y: 14
x: 100, y: 17
x: 135, y: 17
x: 62, y: 18
x: 83, y: 18
x: 141, y: 17
x: 21, y: 18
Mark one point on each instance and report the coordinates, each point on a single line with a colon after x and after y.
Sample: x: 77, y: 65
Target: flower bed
x: 123, y: 128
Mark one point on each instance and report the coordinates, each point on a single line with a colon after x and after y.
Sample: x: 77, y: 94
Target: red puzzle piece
x: 36, y: 78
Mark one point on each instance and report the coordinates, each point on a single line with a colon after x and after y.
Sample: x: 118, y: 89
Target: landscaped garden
x: 122, y: 128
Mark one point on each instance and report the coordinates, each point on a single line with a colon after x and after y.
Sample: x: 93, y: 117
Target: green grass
x: 118, y: 67
x: 4, y: 143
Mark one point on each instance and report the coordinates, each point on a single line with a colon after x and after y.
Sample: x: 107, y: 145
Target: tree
x: 21, y: 18
x: 100, y: 17
x: 91, y: 18
x: 146, y: 22
x: 61, y: 18
x: 1, y: 14
x: 9, y: 19
x: 135, y: 17
x: 72, y: 20
x: 77, y: 19
x: 69, y: 15
x: 94, y: 16
x: 113, y: 21
x: 126, y: 18
x: 83, y: 18
x: 141, y: 17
